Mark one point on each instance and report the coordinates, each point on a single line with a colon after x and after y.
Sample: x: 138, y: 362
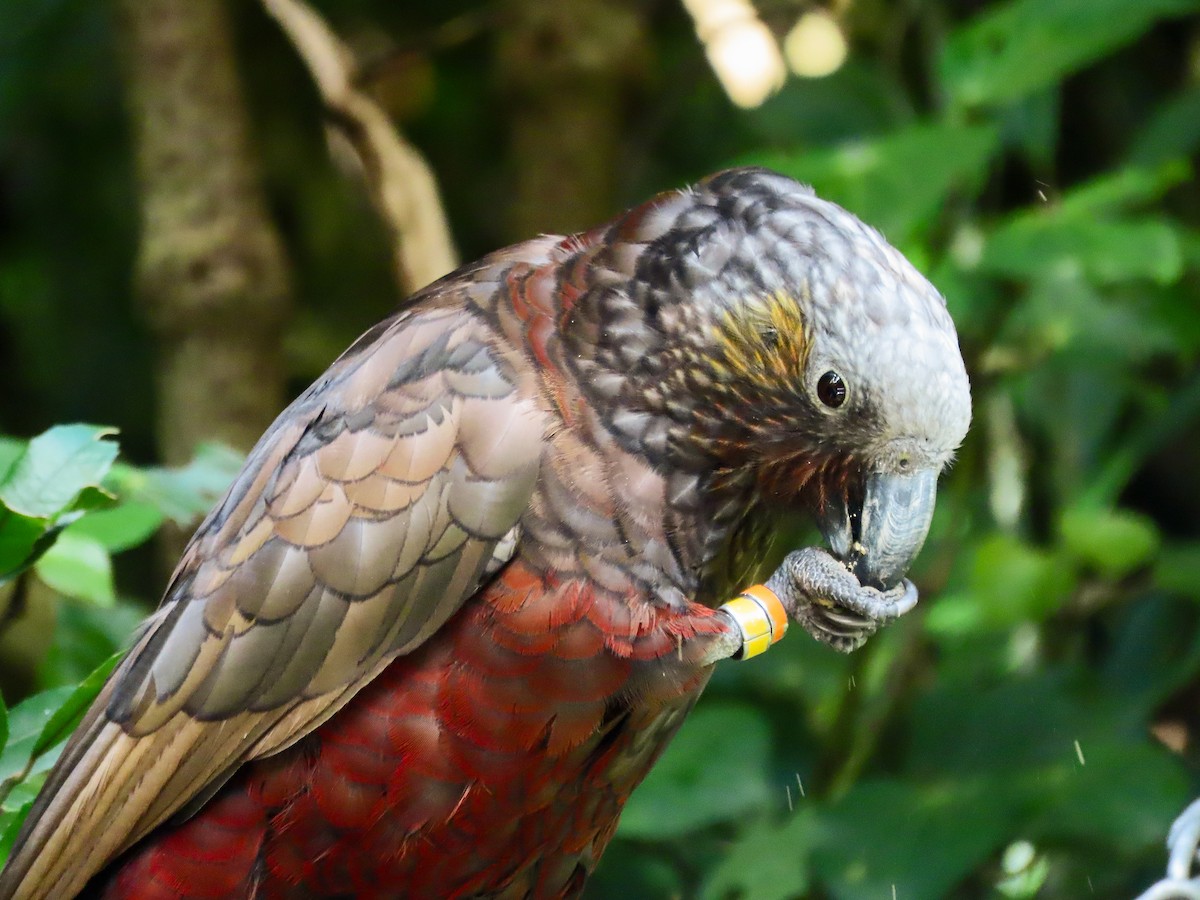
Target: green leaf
x: 1122, y: 189
x: 766, y: 862
x: 1025, y: 871
x: 1155, y: 648
x: 78, y: 566
x: 1018, y: 723
x: 1046, y: 244
x: 1138, y: 446
x: 1022, y: 46
x: 1173, y: 131
x: 634, y: 869
x: 1126, y: 792
x: 861, y: 98
x: 26, y: 791
x: 1110, y: 335
x: 1009, y: 582
x: 11, y: 450
x: 19, y: 536
x: 1113, y: 542
x: 38, y: 726
x: 1031, y: 125
x: 65, y: 719
x: 91, y: 499
x: 3, y: 722
x: 86, y: 635
x: 874, y: 179
x: 1177, y: 568
x: 181, y: 494
x: 714, y: 770
x: 873, y: 834
x: 11, y: 823
x: 56, y: 468
x: 49, y: 482
x: 120, y: 528
x: 26, y: 722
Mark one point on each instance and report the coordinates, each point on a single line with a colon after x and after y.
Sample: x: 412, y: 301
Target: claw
x: 827, y: 599
x: 882, y: 606
x: 847, y: 619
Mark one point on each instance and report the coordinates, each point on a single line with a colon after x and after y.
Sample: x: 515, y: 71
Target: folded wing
x: 369, y: 512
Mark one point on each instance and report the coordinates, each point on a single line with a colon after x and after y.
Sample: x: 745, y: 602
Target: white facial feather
x: 874, y: 319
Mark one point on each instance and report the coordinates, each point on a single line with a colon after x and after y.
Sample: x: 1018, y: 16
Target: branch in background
x: 466, y: 26
x: 399, y: 181
x: 211, y: 271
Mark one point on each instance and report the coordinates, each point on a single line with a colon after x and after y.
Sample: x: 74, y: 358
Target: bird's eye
x: 770, y: 337
x: 831, y: 389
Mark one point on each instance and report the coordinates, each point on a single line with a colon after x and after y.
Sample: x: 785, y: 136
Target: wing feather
x: 367, y: 514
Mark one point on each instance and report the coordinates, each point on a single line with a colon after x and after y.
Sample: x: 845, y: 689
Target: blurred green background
x: 1030, y: 730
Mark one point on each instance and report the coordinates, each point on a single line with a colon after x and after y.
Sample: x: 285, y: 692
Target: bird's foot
x: 816, y: 589
x: 830, y: 603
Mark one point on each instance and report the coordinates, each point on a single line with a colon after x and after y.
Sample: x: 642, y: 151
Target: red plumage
x: 493, y: 760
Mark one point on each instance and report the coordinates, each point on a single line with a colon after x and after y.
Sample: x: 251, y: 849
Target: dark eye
x: 831, y: 389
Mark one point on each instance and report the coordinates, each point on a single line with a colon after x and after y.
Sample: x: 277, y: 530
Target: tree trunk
x: 211, y: 272
x: 568, y: 66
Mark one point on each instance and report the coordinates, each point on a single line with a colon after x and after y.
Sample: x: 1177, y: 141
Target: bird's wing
x: 364, y: 518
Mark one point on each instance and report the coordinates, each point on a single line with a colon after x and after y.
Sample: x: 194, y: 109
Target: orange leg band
x: 761, y: 618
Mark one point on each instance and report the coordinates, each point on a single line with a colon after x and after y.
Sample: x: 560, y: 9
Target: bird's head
x: 750, y: 326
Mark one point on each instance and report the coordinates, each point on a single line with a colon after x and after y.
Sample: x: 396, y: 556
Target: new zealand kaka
x: 468, y: 585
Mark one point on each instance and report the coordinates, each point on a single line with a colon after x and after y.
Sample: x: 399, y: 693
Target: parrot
x: 470, y: 583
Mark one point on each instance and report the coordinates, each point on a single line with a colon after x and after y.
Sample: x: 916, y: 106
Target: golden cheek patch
x: 764, y: 340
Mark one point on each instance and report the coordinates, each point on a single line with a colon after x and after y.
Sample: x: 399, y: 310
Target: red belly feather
x: 495, y: 760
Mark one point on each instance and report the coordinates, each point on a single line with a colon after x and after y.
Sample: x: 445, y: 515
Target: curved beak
x: 880, y: 527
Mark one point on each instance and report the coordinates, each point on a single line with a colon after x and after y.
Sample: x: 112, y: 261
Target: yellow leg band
x: 760, y: 617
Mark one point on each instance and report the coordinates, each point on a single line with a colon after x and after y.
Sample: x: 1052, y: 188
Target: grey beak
x: 882, y: 536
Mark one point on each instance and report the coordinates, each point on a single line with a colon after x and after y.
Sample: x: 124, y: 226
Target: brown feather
x: 362, y: 521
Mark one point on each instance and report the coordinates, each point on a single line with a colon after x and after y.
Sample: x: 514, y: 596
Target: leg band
x: 760, y: 617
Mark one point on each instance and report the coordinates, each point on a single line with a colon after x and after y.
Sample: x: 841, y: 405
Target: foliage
x: 66, y: 505
x: 1035, y: 159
